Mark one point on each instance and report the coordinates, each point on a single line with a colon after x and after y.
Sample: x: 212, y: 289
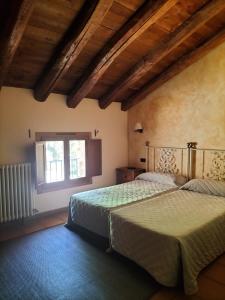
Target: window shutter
x: 40, y: 162
x: 94, y: 157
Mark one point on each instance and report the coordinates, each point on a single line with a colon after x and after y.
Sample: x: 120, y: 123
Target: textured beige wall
x: 20, y: 112
x: 189, y: 107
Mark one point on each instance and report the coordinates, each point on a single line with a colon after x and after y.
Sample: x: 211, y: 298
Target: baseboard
x: 49, y: 212
x: 34, y: 217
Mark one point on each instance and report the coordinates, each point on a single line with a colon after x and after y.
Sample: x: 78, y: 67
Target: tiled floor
x: 211, y: 280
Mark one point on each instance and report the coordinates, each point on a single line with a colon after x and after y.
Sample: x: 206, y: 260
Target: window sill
x: 56, y: 186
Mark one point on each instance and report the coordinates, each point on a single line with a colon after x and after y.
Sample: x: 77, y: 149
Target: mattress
x: 91, y: 209
x: 173, y: 236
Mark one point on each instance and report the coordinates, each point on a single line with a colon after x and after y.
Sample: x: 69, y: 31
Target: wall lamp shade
x: 138, y: 127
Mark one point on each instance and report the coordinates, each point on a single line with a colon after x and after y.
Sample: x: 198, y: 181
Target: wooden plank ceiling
x: 103, y: 49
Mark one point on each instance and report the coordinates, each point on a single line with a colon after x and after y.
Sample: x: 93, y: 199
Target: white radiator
x: 15, y: 192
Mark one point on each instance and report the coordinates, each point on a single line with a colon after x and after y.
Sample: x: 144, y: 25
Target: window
x: 54, y: 155
x: 66, y: 159
x: 77, y: 159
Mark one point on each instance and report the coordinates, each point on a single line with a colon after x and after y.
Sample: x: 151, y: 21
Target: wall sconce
x: 138, y: 127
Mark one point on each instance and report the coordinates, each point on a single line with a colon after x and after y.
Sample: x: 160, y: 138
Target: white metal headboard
x: 174, y: 160
x: 191, y: 161
x: 210, y: 163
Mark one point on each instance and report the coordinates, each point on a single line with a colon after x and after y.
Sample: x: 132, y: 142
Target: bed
x: 174, y: 236
x: 91, y: 209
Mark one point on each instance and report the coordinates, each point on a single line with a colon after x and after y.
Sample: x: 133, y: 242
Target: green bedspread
x: 173, y: 236
x: 90, y: 209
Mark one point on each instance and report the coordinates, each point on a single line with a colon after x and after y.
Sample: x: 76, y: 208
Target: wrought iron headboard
x: 175, y: 160
x: 191, y: 161
x: 209, y: 163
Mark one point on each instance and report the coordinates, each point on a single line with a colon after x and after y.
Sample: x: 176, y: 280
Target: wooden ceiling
x: 103, y: 49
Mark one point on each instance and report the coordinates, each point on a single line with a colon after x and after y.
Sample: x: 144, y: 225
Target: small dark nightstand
x: 126, y: 174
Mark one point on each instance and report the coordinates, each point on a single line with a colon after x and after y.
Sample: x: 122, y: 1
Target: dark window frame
x: 67, y: 182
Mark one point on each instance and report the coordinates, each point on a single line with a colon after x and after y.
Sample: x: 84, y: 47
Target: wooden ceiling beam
x: 14, y: 15
x: 174, y: 40
x: 74, y: 41
x: 174, y: 69
x: 142, y: 19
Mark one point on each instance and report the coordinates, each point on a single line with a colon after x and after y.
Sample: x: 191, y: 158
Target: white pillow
x: 206, y: 186
x: 163, y: 178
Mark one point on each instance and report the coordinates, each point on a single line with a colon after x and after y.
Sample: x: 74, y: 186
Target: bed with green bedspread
x: 173, y: 236
x: 91, y: 209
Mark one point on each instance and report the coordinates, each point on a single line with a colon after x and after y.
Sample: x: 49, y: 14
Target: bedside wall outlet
x: 143, y: 160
